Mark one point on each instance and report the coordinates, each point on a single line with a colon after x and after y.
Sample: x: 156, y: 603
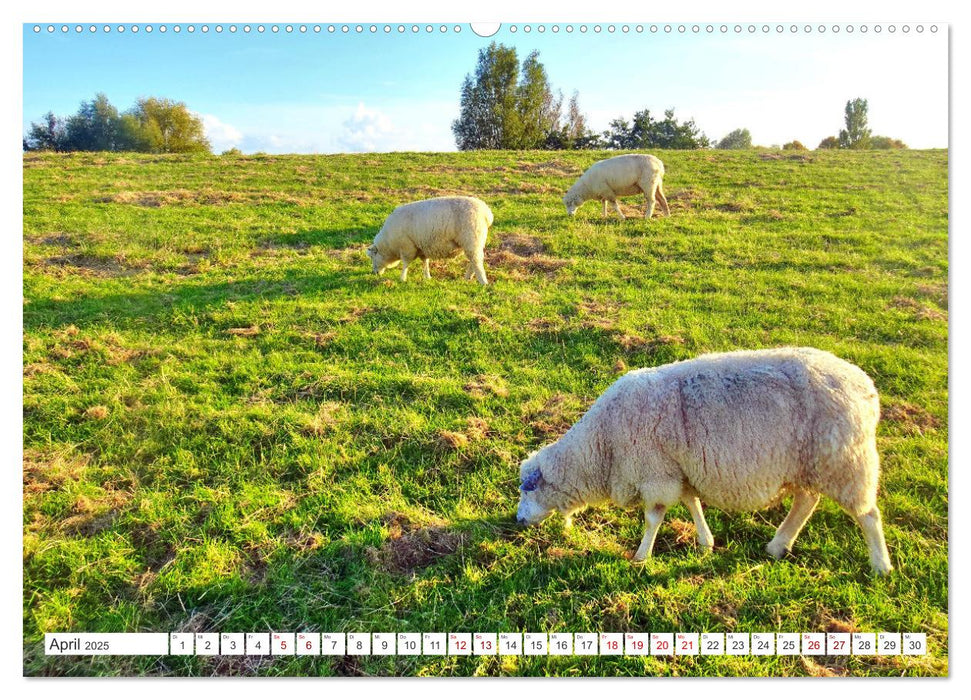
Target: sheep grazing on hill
x: 738, y: 430
x: 432, y: 229
x: 620, y: 176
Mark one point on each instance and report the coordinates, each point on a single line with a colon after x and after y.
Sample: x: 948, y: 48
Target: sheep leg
x: 872, y: 526
x: 428, y: 273
x: 605, y: 208
x: 803, y: 505
x: 404, y: 268
x: 478, y: 267
x: 617, y: 209
x: 662, y: 200
x: 652, y: 521
x: 469, y: 271
x: 705, y: 540
x: 649, y: 203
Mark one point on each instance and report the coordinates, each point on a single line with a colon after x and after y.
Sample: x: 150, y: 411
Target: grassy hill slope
x: 231, y: 425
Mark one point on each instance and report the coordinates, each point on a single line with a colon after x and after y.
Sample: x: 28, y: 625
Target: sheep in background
x: 739, y: 430
x: 620, y: 176
x: 432, y: 229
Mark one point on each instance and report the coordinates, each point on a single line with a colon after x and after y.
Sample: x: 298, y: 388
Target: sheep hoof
x: 882, y: 568
x: 777, y: 549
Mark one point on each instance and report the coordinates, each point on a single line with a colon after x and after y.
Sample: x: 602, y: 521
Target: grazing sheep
x: 432, y: 229
x: 620, y: 176
x: 739, y: 430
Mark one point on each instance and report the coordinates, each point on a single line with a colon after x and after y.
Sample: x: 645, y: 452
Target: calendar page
x: 389, y: 347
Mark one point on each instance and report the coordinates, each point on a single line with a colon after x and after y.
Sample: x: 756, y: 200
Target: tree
x: 738, y: 139
x: 829, y: 142
x: 856, y: 134
x: 885, y: 142
x: 618, y: 137
x: 668, y: 133
x: 167, y: 126
x: 572, y: 133
x: 504, y: 105
x: 94, y: 127
x: 537, y: 110
x: 153, y: 125
x: 46, y: 135
x: 488, y: 117
x: 794, y: 146
x: 646, y: 132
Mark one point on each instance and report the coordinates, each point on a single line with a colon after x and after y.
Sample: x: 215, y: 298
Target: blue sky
x: 323, y: 92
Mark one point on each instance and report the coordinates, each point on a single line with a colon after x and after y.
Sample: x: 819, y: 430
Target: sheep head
x: 533, y: 499
x: 572, y: 203
x: 380, y: 261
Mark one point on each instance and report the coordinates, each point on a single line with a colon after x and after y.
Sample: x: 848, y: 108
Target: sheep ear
x: 531, y: 482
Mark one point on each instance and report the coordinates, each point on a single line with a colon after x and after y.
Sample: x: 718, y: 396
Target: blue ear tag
x: 531, y: 482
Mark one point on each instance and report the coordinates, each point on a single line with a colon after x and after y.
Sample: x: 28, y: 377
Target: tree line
x: 505, y: 105
x: 152, y: 125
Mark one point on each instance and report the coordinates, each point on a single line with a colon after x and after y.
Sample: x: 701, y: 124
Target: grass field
x: 231, y: 425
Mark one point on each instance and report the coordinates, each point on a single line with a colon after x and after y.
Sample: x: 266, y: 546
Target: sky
x: 325, y: 92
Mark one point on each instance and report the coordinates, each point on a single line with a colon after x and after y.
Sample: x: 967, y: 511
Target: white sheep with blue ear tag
x: 739, y: 430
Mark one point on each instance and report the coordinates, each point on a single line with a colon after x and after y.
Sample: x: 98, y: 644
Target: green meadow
x: 231, y: 425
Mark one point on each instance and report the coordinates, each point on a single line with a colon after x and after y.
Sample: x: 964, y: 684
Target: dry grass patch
x: 824, y: 670
x: 826, y: 621
x: 631, y: 342
x: 726, y: 614
x: 801, y: 157
x: 684, y: 199
x: 96, y: 413
x: 246, y: 332
x: 684, y: 532
x: 322, y: 340
x: 936, y: 291
x: 550, y: 168
x: 203, y: 197
x: 92, y: 266
x: 920, y: 311
x: 523, y: 253
x: 597, y: 314
x: 476, y: 428
x: 448, y: 440
x: 913, y: 419
x: 323, y: 421
x: 554, y: 417
x: 410, y: 548
x: 733, y: 207
x: 544, y: 325
x: 485, y: 385
x: 522, y: 245
x: 45, y: 471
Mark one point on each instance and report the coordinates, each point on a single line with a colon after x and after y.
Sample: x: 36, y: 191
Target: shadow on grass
x: 340, y: 237
x: 124, y: 310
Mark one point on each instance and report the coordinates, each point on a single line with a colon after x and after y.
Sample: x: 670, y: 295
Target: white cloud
x: 221, y: 136
x: 367, y: 130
